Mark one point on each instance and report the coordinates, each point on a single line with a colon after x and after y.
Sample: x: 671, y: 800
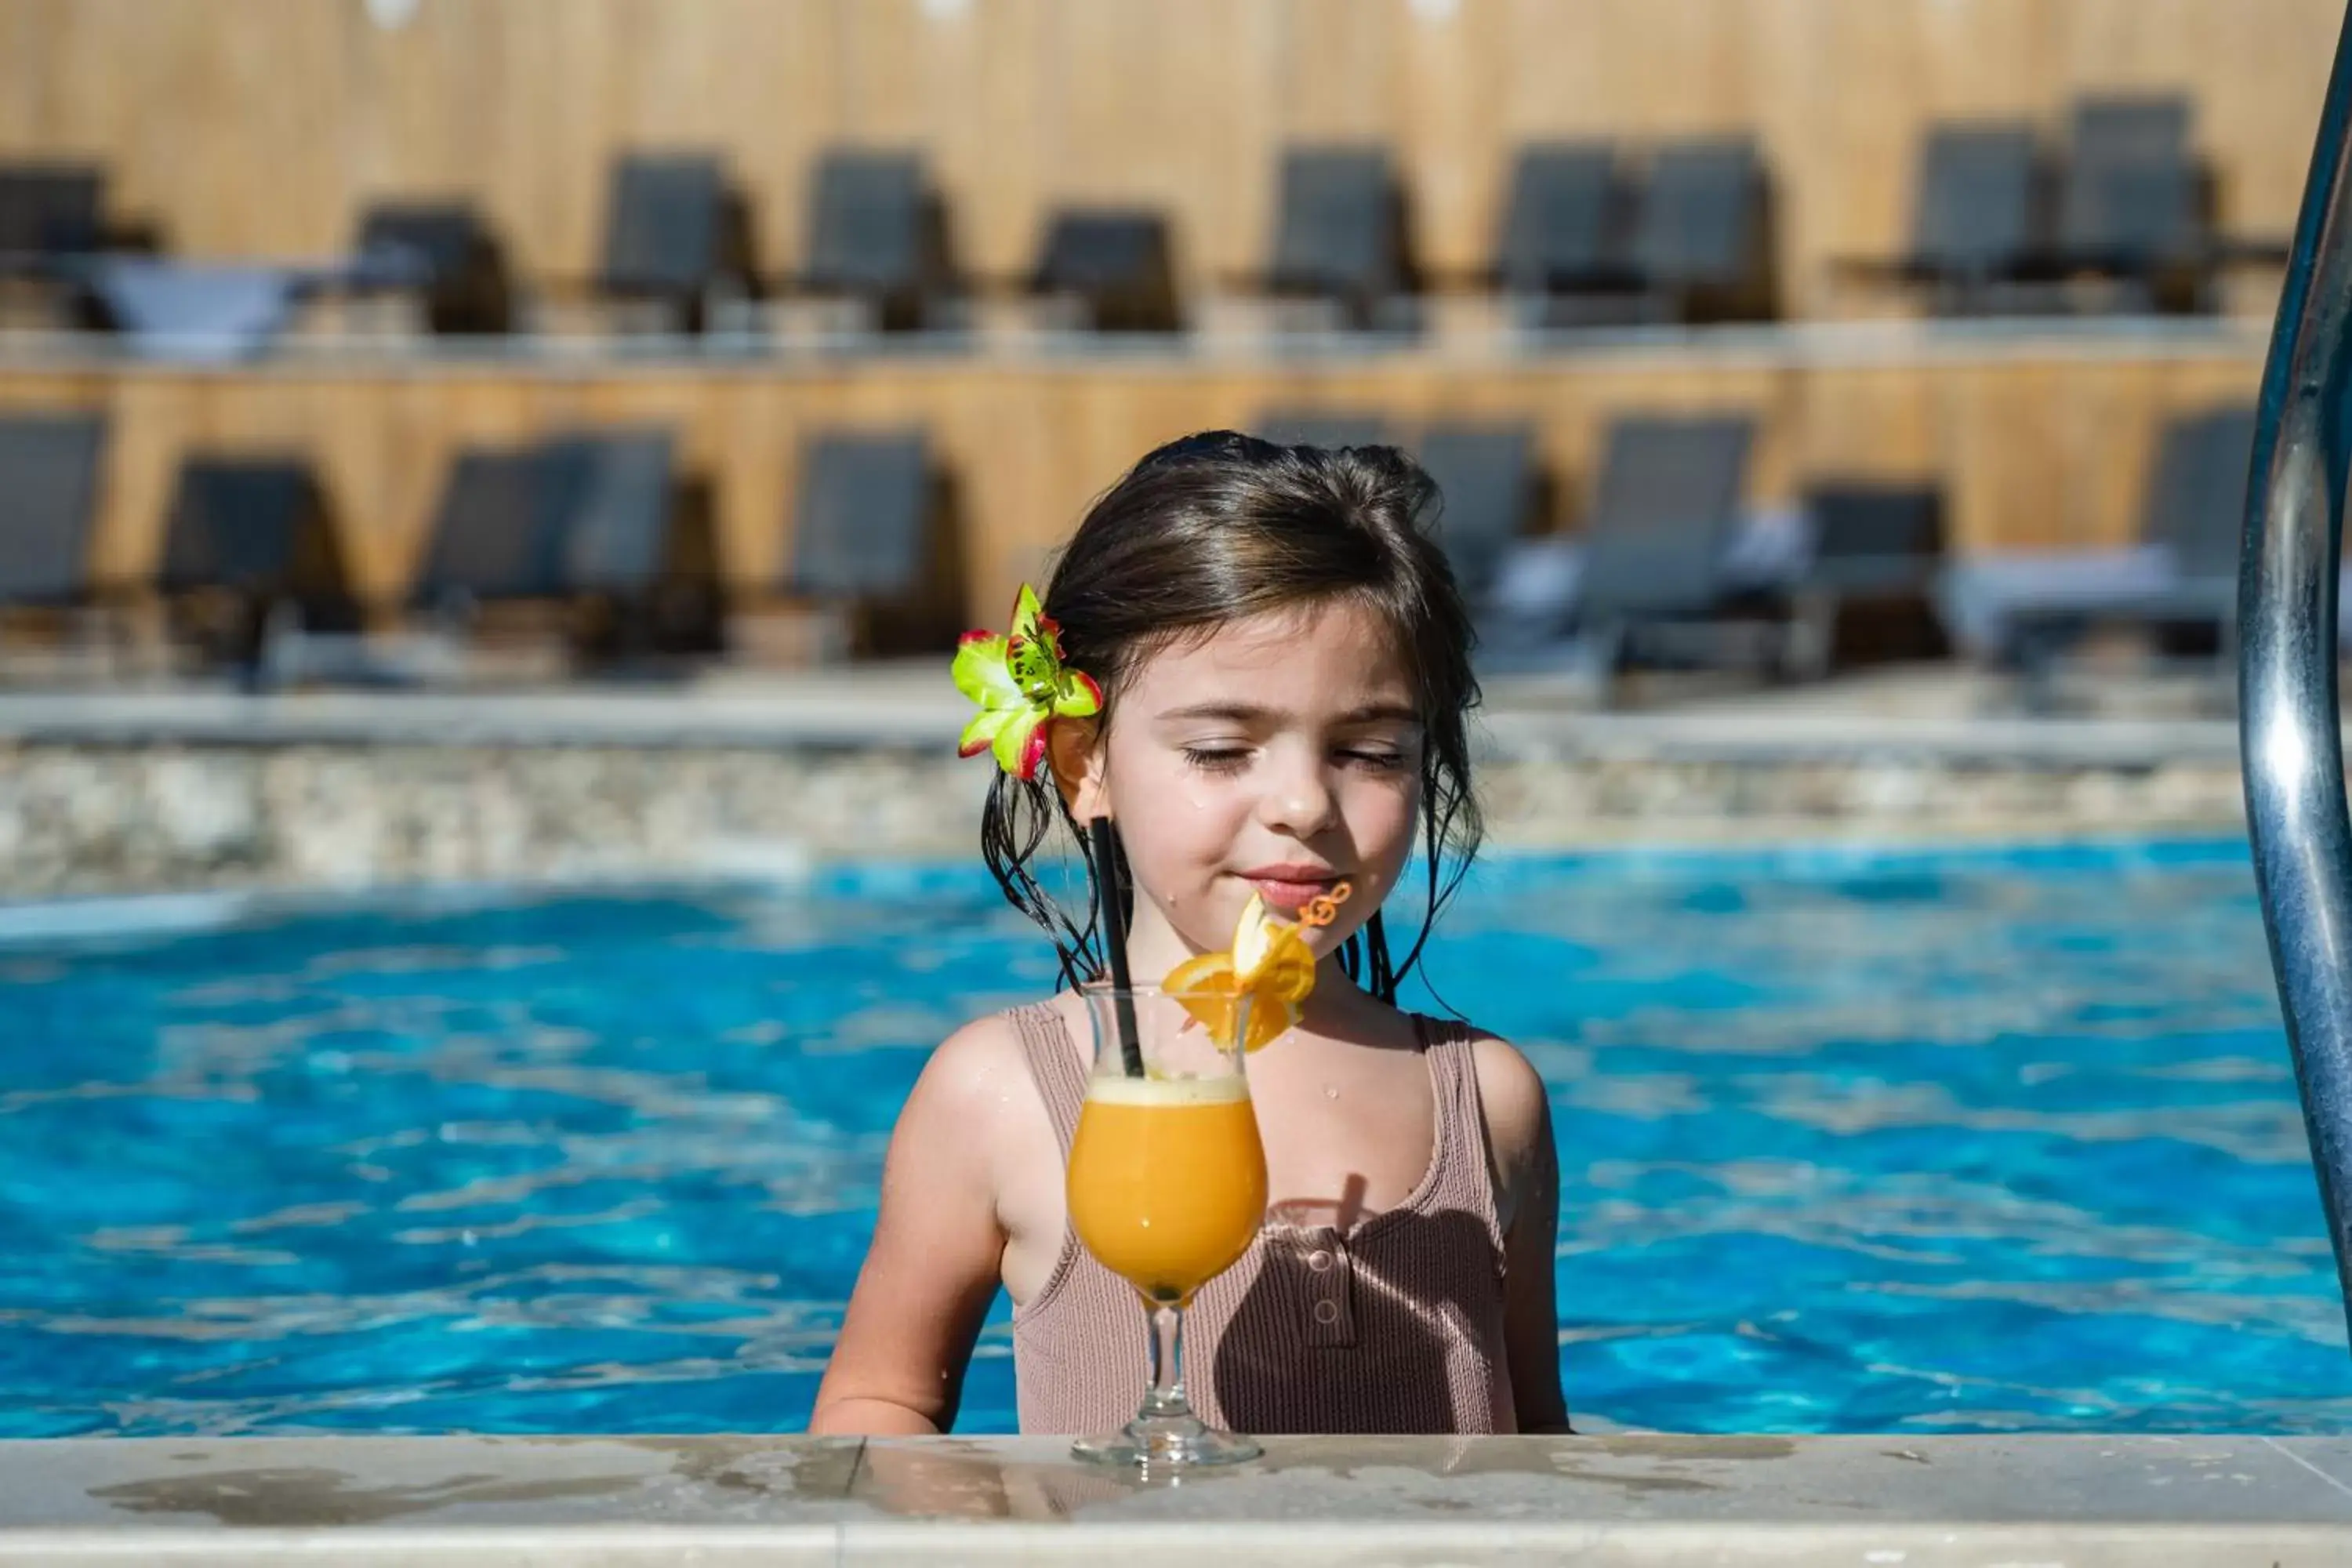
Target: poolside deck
x: 1657, y: 1501
x: 2122, y: 718
x: 202, y: 789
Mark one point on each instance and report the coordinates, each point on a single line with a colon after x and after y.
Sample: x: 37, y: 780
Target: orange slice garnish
x: 1269, y: 962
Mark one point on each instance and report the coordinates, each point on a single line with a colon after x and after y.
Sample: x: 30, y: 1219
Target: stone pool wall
x: 79, y: 816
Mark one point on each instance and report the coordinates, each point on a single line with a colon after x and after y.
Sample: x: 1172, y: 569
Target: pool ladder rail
x: 2289, y: 730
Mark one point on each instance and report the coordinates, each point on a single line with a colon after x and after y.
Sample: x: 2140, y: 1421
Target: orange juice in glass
x: 1166, y: 1181
x: 1167, y: 1188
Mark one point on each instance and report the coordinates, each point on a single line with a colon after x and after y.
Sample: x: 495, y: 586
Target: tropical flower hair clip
x: 1019, y: 682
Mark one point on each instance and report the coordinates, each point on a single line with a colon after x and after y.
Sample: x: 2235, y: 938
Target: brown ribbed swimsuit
x: 1394, y: 1325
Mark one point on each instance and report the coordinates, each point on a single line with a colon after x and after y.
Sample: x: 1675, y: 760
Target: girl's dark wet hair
x: 1216, y: 527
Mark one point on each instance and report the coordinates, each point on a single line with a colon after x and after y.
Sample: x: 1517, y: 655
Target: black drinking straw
x: 1114, y: 925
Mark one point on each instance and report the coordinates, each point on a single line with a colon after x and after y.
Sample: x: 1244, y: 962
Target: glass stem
x: 1166, y: 1399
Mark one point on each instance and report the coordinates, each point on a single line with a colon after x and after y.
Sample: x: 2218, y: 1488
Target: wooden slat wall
x: 2032, y: 451
x: 256, y: 127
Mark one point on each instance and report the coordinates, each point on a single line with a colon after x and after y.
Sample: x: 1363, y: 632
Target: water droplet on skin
x: 1329, y: 1092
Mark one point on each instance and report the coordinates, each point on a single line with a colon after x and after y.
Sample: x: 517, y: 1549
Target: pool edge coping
x: 1920, y: 1502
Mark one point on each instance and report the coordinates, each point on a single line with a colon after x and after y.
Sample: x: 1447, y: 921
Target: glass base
x: 1166, y: 1442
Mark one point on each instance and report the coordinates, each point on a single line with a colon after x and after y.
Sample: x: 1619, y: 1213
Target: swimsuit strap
x: 1054, y: 1067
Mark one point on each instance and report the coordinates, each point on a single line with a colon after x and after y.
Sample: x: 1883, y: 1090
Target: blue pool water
x: 1905, y: 1142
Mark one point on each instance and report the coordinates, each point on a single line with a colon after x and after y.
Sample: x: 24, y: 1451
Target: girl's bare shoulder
x: 978, y: 1077
x: 1511, y: 1094
x: 975, y: 1050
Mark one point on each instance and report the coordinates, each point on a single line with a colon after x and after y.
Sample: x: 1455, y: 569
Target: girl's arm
x: 1526, y: 1171
x: 929, y: 1279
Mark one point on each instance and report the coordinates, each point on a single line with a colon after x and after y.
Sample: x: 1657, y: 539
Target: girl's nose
x: 1300, y: 802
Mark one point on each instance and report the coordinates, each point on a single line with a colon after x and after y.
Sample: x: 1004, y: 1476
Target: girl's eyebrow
x: 1257, y: 713
x: 1240, y: 712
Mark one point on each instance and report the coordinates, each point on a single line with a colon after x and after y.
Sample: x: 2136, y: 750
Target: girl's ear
x: 1074, y: 749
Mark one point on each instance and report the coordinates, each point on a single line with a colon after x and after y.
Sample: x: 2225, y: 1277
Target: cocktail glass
x: 1167, y: 1189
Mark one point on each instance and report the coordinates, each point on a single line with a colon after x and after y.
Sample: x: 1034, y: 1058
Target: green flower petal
x: 982, y: 732
x: 980, y: 670
x: 1015, y: 745
x: 1027, y: 609
x: 1079, y: 697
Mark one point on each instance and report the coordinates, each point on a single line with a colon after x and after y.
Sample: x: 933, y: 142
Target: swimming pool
x: 1931, y: 1141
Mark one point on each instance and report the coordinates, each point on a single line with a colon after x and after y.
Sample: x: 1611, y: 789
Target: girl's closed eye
x: 1233, y: 758
x: 1216, y: 757
x: 1374, y: 759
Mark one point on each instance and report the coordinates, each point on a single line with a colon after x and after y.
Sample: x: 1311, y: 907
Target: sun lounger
x: 556, y: 548
x: 51, y: 214
x: 49, y: 209
x: 619, y: 541
x: 455, y: 267
x: 2199, y: 508
x: 581, y: 513
x: 1980, y: 219
x: 871, y: 566
x: 496, y: 533
x: 1561, y: 259
x: 1703, y: 239
x: 1872, y: 547
x: 1663, y: 518
x: 254, y: 527
x: 2023, y: 611
x: 878, y: 235
x: 1115, y: 265
x: 677, y: 235
x: 1340, y: 236
x: 616, y: 509
x: 1489, y: 490
x: 48, y: 492
x: 1651, y: 579
x: 2135, y: 206
x: 249, y: 551
x: 863, y: 498
x: 49, y: 474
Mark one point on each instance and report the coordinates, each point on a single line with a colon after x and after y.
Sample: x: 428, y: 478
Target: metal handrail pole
x: 2289, y: 731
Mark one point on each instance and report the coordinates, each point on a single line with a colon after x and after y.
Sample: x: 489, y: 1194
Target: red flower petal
x: 1083, y: 678
x: 972, y: 749
x: 970, y: 637
x: 1032, y: 754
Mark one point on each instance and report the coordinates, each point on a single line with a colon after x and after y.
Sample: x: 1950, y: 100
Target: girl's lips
x: 1292, y: 893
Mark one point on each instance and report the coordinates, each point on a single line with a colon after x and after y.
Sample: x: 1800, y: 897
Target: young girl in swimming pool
x: 1274, y: 699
